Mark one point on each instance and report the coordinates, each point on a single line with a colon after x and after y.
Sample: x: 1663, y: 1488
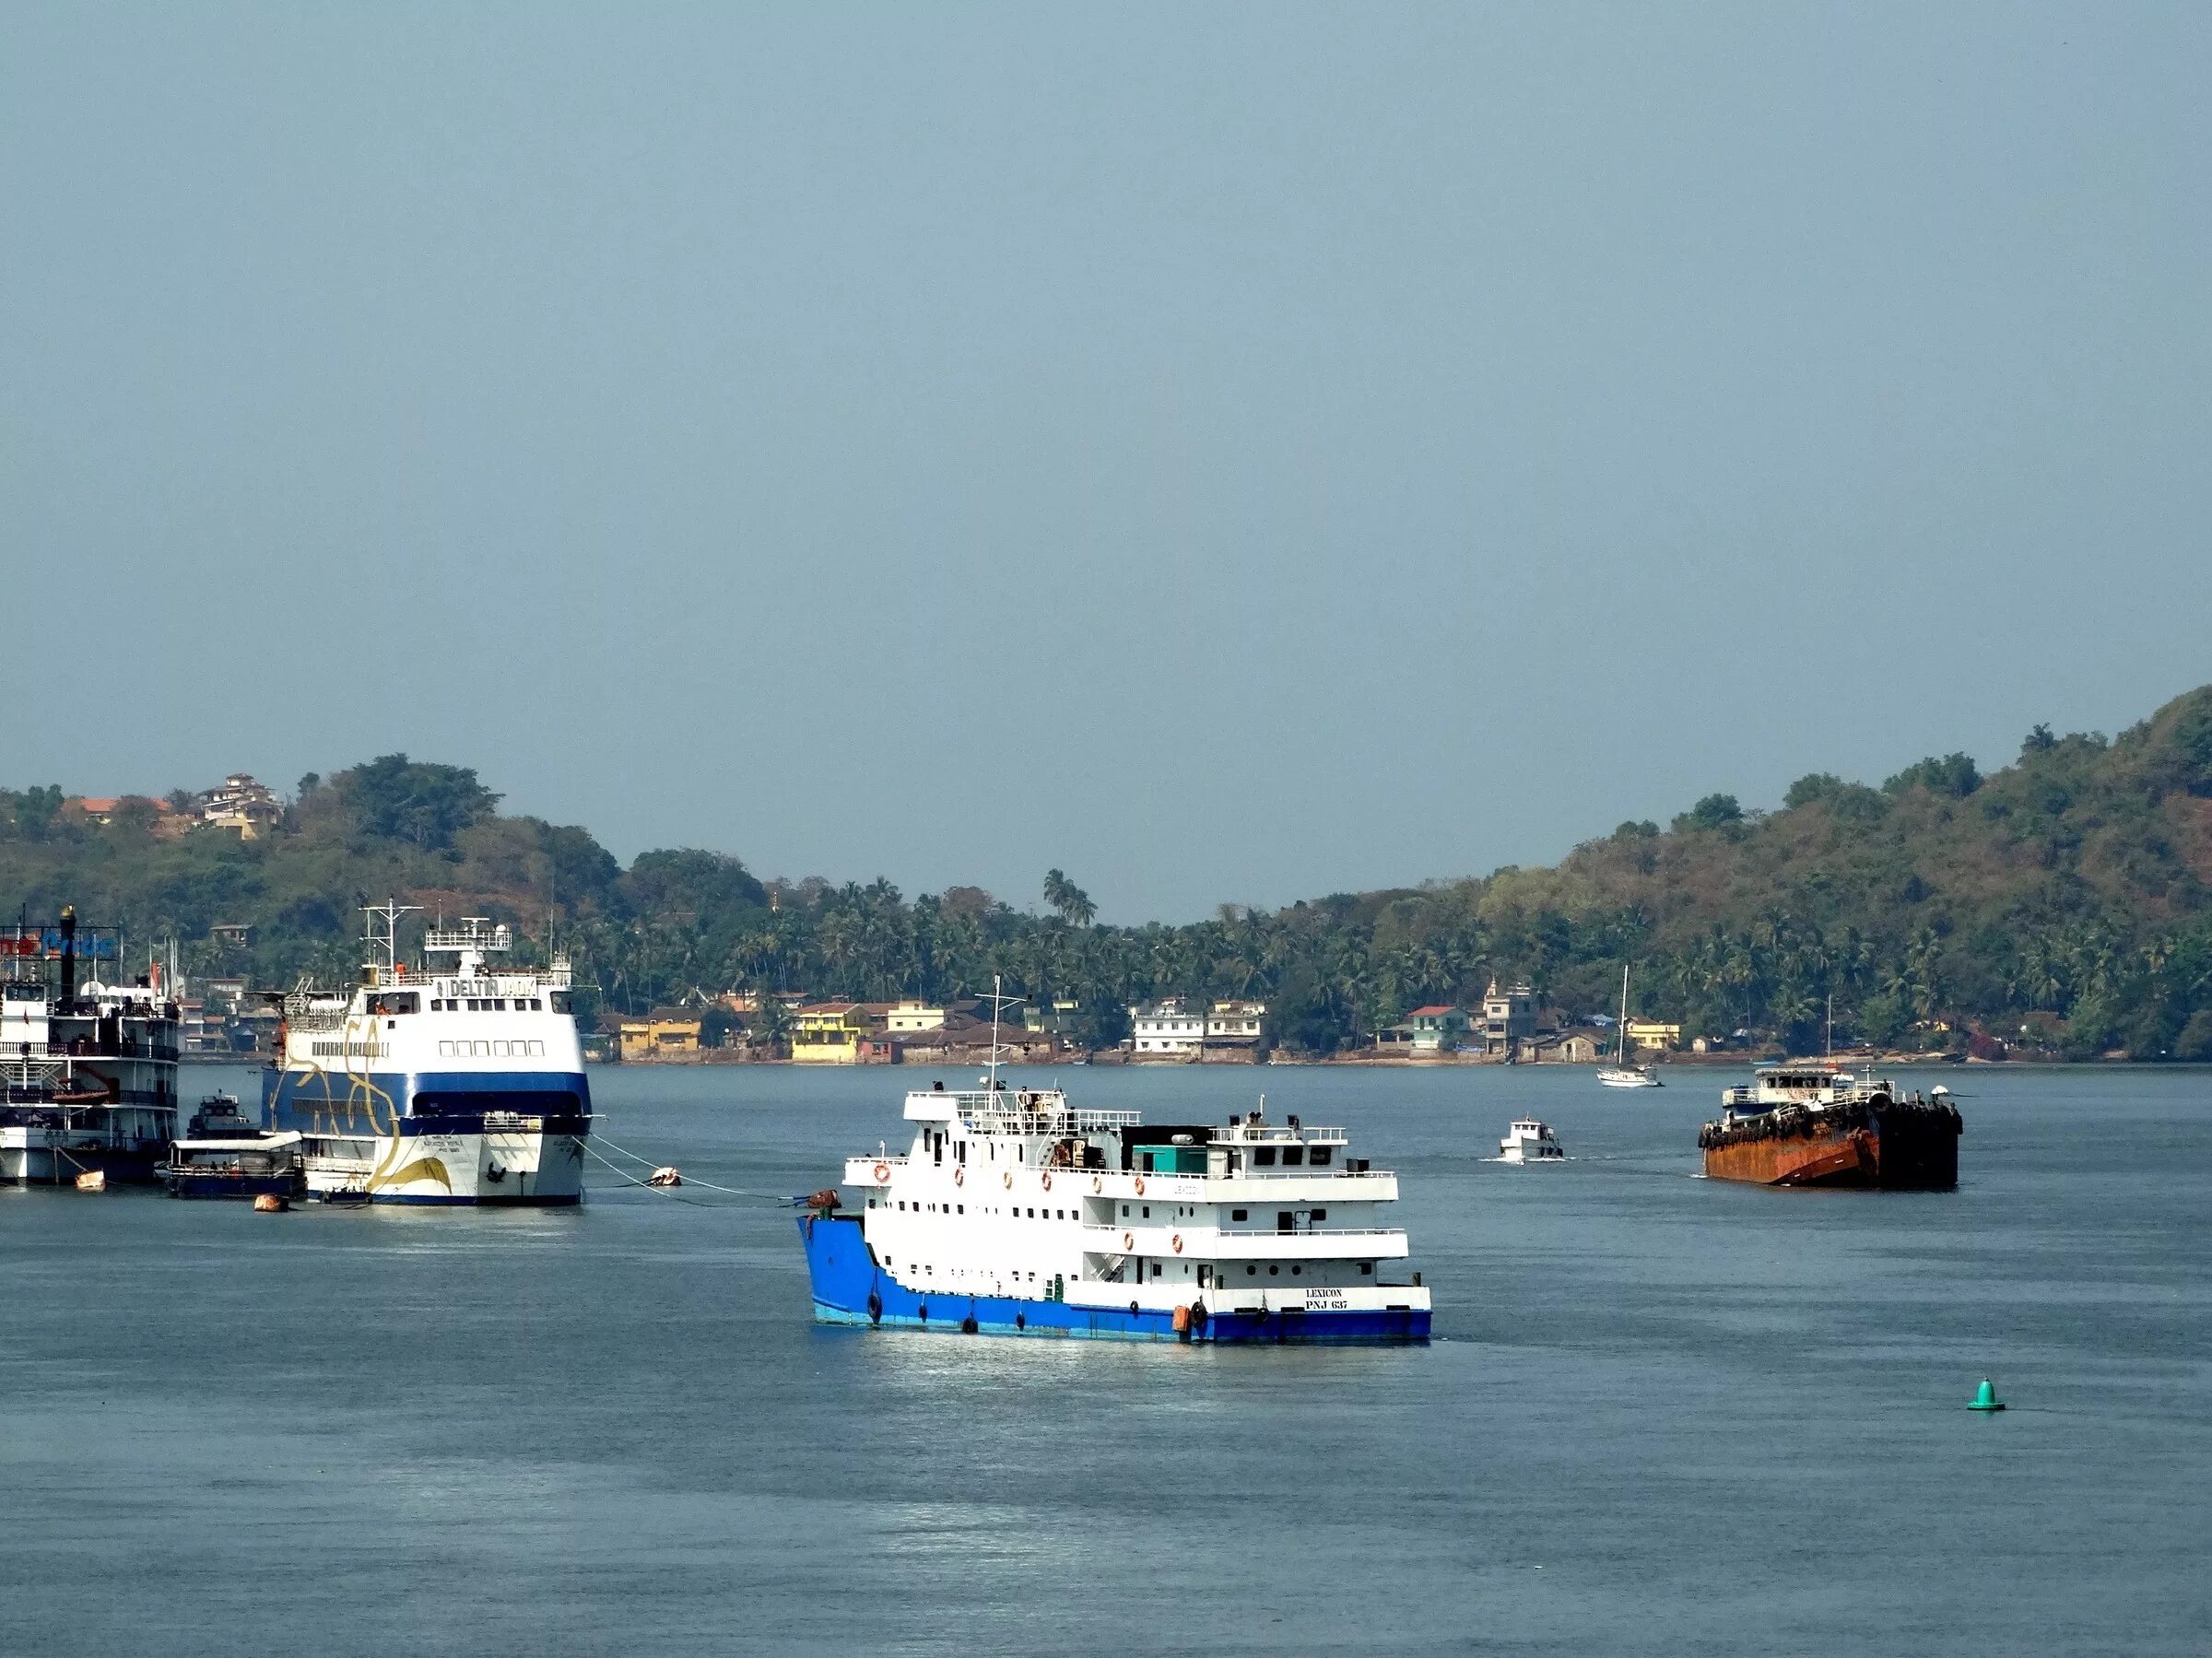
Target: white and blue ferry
x: 1014, y: 1213
x: 458, y: 1084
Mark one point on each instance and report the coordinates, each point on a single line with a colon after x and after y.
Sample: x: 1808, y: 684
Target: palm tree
x: 1072, y: 902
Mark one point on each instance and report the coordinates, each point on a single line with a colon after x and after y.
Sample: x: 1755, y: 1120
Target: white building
x: 1170, y: 1028
x: 910, y: 1017
x: 1167, y: 1028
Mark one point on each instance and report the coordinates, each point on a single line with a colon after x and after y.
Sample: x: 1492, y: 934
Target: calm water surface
x: 1664, y: 1414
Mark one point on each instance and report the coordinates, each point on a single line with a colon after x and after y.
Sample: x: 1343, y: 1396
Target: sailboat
x: 1621, y: 1073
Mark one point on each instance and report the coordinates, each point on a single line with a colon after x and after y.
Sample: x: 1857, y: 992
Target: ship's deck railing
x: 1277, y: 1133
x: 85, y: 1047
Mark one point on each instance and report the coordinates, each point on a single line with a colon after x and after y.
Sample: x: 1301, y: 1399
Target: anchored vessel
x: 223, y: 1154
x: 1529, y: 1141
x: 89, y: 1068
x: 461, y: 1084
x: 1621, y: 1073
x: 1814, y: 1125
x: 1015, y: 1212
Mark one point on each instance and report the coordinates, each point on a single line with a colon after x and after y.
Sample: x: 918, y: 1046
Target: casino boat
x: 460, y: 1085
x: 1814, y: 1125
x: 1013, y: 1211
x: 88, y: 1069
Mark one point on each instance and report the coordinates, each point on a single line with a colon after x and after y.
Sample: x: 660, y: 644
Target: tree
x: 394, y: 798
x: 1072, y: 902
x: 1954, y: 775
x: 1812, y: 786
x: 1715, y: 811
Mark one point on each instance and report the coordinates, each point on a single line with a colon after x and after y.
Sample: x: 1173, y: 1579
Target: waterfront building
x: 909, y: 1017
x: 240, y: 803
x: 1652, y: 1034
x: 833, y: 1033
x: 1167, y: 1029
x: 1507, y: 1016
x: 664, y: 1033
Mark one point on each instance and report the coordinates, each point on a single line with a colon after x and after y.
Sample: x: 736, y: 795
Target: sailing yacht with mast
x: 1621, y: 1073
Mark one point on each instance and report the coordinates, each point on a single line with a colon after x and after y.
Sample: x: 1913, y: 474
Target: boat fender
x: 925, y: 1312
x: 1128, y: 1241
x: 883, y: 1173
x: 1198, y: 1315
x: 1131, y: 1309
x: 968, y: 1325
x: 959, y: 1177
x: 1182, y: 1322
x: 875, y: 1308
x: 1177, y: 1241
x: 1021, y: 1320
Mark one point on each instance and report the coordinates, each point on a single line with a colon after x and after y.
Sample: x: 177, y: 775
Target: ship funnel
x: 68, y: 955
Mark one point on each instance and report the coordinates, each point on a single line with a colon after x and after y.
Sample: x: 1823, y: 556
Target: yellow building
x: 908, y: 1017
x: 659, y: 1036
x: 834, y: 1033
x: 1647, y: 1033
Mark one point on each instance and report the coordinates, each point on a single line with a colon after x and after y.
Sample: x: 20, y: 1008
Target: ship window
x: 1156, y: 1269
x: 1293, y: 1155
x: 1367, y: 1269
x: 1148, y: 1211
x: 959, y: 1208
x: 1321, y: 1214
x: 1239, y: 1215
x: 871, y: 1202
x: 1318, y: 1155
x: 1273, y: 1270
x: 1263, y: 1156
x: 1250, y: 1271
x: 1032, y: 1213
x: 1125, y: 1211
x: 1297, y: 1271
x: 445, y: 1050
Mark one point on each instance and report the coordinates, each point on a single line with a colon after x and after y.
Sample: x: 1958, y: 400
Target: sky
x: 1230, y: 453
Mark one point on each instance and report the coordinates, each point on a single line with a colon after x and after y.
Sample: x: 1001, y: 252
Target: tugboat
x: 1814, y: 1125
x: 224, y: 1154
x: 460, y: 1084
x: 1529, y: 1141
x: 88, y: 1068
x: 1013, y: 1211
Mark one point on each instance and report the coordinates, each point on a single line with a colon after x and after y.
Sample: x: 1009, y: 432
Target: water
x: 1664, y: 1415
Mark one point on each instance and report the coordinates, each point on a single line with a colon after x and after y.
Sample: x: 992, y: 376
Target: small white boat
x: 1621, y: 1073
x: 1529, y: 1141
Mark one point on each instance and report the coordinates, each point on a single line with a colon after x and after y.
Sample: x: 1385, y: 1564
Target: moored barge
x: 1813, y: 1125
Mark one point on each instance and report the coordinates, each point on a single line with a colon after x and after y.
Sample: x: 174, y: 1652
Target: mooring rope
x: 669, y: 1192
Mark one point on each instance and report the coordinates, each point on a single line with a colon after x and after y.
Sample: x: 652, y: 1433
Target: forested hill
x: 2067, y: 896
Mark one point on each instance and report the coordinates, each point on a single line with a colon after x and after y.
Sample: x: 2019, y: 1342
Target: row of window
x: 490, y: 1050
x: 348, y: 1050
x: 919, y: 1207
x: 486, y: 1004
x: 1263, y: 1156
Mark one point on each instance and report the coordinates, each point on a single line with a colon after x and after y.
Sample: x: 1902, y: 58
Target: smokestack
x: 68, y: 955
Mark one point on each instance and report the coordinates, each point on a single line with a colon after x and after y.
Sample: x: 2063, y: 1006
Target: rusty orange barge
x: 1812, y: 1126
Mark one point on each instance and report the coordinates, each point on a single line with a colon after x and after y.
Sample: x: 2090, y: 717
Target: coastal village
x: 1507, y: 1026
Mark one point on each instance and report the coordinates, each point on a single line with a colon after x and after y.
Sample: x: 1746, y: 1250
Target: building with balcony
x: 1507, y: 1016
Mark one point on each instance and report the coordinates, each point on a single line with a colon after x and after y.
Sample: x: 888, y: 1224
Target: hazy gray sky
x: 1227, y: 454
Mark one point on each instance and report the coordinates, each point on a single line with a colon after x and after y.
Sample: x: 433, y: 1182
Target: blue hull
x: 850, y: 1289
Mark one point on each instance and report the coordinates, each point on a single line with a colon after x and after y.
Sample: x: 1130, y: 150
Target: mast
x: 1621, y: 1033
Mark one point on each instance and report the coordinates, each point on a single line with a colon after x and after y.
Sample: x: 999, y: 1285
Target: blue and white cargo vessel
x: 457, y: 1084
x: 1013, y: 1211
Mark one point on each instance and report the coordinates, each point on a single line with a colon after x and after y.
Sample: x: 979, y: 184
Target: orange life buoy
x: 1128, y: 1241
x: 883, y: 1173
x: 1177, y: 1241
x: 959, y: 1177
x: 1098, y: 1182
x: 1047, y: 1180
x: 1140, y: 1185
x: 1007, y: 1180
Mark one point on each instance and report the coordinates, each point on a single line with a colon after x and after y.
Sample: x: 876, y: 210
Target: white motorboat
x: 1529, y: 1141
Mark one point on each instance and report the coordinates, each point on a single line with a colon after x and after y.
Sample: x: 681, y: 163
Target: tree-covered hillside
x: 2066, y: 896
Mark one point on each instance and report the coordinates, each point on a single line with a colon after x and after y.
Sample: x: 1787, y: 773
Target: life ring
x: 1007, y: 1180
x: 959, y: 1177
x: 1140, y: 1185
x: 1177, y: 1242
x: 883, y: 1173
x: 1128, y: 1241
x: 1047, y: 1180
x: 1098, y: 1182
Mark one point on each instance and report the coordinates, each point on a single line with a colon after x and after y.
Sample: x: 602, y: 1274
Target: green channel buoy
x: 1985, y: 1397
